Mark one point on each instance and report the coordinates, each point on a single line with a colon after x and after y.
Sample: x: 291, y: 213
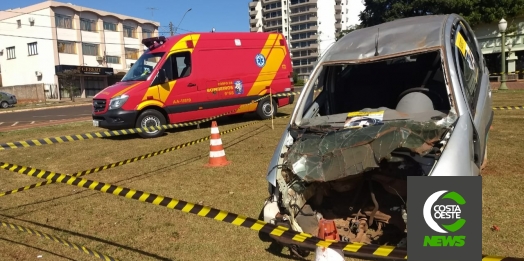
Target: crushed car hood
x: 322, y: 154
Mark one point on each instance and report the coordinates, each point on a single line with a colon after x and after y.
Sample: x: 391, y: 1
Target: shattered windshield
x: 143, y: 67
x: 325, y: 155
x: 363, y: 118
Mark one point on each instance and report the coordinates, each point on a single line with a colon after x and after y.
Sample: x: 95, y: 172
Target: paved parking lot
x: 29, y: 119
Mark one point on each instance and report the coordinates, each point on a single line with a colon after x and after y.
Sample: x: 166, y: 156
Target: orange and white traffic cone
x: 327, y: 230
x: 217, y: 155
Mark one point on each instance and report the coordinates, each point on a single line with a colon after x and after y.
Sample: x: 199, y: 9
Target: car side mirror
x: 162, y: 78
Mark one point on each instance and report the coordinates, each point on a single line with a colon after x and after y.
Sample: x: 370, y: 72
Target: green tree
x: 474, y: 11
x: 347, y: 31
x: 67, y: 79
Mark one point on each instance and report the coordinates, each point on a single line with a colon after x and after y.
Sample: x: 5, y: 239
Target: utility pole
x: 171, y: 28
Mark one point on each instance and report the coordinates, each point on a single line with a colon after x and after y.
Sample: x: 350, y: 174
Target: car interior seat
x: 187, y: 70
x: 415, y: 102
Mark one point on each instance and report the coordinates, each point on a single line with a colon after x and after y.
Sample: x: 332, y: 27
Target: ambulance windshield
x: 143, y: 67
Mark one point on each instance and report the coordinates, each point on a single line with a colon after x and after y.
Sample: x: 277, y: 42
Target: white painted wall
x: 326, y: 27
x: 351, y: 9
x: 21, y: 70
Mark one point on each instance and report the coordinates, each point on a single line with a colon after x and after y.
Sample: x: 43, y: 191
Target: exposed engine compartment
x: 368, y: 203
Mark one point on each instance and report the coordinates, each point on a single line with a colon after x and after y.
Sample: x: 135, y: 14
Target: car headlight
x: 118, y: 101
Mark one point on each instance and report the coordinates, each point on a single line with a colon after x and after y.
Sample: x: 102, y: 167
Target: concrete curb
x: 46, y: 108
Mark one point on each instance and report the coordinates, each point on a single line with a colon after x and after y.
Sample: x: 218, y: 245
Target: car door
x: 469, y: 73
x: 483, y: 116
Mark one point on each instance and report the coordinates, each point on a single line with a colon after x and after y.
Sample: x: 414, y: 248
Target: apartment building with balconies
x: 310, y: 26
x: 39, y: 42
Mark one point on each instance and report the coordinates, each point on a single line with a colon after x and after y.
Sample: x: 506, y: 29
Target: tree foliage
x: 67, y: 79
x: 474, y: 11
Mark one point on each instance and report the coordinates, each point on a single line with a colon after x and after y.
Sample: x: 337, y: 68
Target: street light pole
x: 502, y: 28
x: 182, y: 19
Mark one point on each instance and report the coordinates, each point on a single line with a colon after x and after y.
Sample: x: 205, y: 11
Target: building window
x: 109, y: 26
x: 131, y: 53
x: 63, y: 21
x: 113, y: 59
x: 87, y: 25
x: 66, y: 47
x: 89, y: 49
x: 129, y: 31
x: 146, y: 33
x: 19, y: 23
x: 11, y: 53
x: 32, y: 49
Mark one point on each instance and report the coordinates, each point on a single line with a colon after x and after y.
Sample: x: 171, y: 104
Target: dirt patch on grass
x: 131, y: 230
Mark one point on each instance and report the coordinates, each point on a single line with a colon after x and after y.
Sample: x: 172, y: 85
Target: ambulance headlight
x: 117, y: 101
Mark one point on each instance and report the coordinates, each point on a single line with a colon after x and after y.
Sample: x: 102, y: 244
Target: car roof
x: 394, y: 38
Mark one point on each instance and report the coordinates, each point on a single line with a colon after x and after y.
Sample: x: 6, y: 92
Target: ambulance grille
x: 99, y: 105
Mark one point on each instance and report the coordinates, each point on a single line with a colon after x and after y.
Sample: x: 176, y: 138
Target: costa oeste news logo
x: 444, y: 218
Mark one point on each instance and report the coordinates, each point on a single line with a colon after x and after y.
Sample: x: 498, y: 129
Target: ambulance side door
x: 187, y: 81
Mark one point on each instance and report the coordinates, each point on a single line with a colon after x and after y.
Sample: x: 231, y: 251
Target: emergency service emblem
x: 239, y: 87
x: 260, y: 60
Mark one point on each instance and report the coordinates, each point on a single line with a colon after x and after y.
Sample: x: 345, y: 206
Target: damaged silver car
x: 409, y: 97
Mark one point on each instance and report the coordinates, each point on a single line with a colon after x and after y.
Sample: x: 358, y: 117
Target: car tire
x: 149, y: 118
x: 4, y: 104
x: 264, y: 109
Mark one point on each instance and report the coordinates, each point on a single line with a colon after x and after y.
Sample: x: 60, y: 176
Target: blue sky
x: 229, y: 15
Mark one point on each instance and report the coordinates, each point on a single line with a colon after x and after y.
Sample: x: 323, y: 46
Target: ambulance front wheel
x: 265, y: 110
x: 150, y: 118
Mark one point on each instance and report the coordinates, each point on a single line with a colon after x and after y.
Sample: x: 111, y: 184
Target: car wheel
x: 150, y: 118
x: 4, y: 104
x: 265, y: 110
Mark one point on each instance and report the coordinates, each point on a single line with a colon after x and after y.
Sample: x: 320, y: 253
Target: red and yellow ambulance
x: 195, y: 76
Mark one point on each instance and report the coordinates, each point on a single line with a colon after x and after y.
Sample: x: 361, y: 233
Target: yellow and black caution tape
x: 113, y: 133
x: 221, y: 215
x: 131, y: 160
x: 500, y: 258
x: 59, y: 240
x: 509, y: 108
x: 209, y: 212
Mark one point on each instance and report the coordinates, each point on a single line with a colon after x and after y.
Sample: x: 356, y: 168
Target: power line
x: 41, y: 38
x: 44, y: 15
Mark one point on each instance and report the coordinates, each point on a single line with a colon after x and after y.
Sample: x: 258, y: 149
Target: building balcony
x: 338, y: 1
x: 338, y: 26
x: 311, y: 2
x: 253, y: 4
x: 253, y: 13
x: 311, y: 37
x: 338, y: 16
x: 311, y: 46
x: 265, y: 2
x: 338, y: 8
x: 272, y: 27
x: 254, y: 29
x: 272, y: 19
x: 311, y: 28
x: 310, y: 19
x: 253, y: 22
x: 312, y: 10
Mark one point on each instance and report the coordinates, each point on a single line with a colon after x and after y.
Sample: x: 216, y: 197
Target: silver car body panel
x: 403, y: 37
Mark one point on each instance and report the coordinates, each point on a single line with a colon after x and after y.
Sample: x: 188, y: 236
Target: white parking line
x: 1, y: 123
x: 32, y: 122
x: 15, y: 123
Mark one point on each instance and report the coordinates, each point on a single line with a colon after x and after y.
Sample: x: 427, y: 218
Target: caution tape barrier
x: 221, y: 215
x: 59, y: 240
x: 509, y: 108
x: 113, y: 133
x: 209, y: 212
x: 131, y: 160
